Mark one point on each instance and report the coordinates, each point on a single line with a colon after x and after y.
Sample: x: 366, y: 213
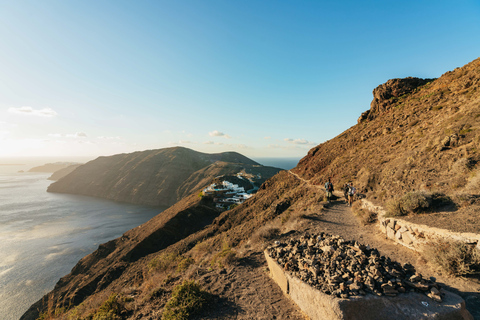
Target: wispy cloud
x: 29, y: 111
x: 300, y: 141
x: 108, y: 138
x: 76, y: 135
x: 217, y: 133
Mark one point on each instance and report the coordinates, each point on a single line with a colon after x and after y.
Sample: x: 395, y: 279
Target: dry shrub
x: 201, y: 250
x: 365, y: 216
x: 163, y: 261
x: 408, y: 203
x: 265, y: 233
x: 453, y: 257
x: 473, y: 185
x: 225, y: 257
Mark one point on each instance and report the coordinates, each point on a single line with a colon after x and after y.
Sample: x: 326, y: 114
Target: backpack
x: 329, y: 186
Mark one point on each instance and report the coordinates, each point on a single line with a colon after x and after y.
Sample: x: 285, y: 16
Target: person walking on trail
x: 346, y: 187
x: 329, y: 189
x: 351, y: 192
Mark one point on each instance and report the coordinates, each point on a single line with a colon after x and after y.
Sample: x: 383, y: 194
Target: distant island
x: 52, y: 167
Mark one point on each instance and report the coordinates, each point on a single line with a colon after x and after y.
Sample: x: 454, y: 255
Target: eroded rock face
x: 386, y: 94
x: 346, y: 268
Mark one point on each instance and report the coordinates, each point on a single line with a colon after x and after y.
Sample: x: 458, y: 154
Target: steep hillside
x: 153, y: 177
x: 57, y: 175
x: 418, y: 135
x: 425, y: 137
x: 52, y: 167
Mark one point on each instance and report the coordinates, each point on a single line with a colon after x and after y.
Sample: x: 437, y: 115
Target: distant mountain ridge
x: 153, y: 177
x: 52, y: 167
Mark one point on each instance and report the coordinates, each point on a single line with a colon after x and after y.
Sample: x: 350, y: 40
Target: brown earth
x: 155, y: 177
x: 426, y: 139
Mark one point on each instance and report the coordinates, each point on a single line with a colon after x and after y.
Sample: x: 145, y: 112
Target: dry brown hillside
x: 418, y: 135
x: 154, y: 177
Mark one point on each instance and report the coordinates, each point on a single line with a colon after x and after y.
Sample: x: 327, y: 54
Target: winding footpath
x: 338, y: 219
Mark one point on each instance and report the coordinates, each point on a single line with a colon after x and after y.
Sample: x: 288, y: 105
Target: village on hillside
x: 228, y: 191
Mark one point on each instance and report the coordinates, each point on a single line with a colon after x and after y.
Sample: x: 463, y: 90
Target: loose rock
x: 344, y: 268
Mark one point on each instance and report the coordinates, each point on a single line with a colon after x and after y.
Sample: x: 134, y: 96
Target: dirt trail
x: 245, y: 291
x: 337, y: 218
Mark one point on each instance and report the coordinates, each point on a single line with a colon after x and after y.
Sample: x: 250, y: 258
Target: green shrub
x: 110, y: 309
x: 162, y: 262
x: 184, y: 264
x: 454, y: 257
x: 187, y: 299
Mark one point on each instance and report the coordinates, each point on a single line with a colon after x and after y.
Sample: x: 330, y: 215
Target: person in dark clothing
x: 346, y: 188
x: 329, y: 189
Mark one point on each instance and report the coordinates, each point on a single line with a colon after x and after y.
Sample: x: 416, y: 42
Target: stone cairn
x: 346, y: 268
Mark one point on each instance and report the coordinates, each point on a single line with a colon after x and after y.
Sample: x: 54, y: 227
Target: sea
x: 43, y: 235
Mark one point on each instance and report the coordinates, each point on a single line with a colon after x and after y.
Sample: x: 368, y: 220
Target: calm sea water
x: 43, y: 235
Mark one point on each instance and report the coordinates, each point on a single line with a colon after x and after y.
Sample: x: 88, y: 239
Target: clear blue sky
x: 264, y: 78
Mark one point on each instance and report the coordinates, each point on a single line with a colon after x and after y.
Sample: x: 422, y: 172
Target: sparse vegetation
x: 417, y: 202
x: 184, y: 264
x: 225, y: 257
x: 110, y: 309
x: 162, y: 262
x: 409, y: 203
x: 453, y: 257
x: 187, y: 299
x: 365, y: 216
x: 286, y: 216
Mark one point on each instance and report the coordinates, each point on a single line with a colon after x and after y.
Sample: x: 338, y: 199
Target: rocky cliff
x: 153, y: 177
x: 426, y: 138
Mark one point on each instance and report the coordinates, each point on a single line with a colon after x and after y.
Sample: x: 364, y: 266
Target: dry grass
x: 365, y: 216
x: 225, y: 257
x: 453, y: 257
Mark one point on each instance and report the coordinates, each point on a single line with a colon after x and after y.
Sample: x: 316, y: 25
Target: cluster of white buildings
x: 226, y: 194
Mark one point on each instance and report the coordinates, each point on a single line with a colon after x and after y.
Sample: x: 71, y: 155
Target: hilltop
x: 418, y: 136
x: 52, y: 167
x: 154, y: 177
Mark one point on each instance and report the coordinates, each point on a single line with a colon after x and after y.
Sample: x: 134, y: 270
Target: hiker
x: 345, y: 191
x: 329, y: 189
x: 351, y: 192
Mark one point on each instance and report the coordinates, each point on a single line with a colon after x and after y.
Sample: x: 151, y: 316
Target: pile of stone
x: 346, y: 268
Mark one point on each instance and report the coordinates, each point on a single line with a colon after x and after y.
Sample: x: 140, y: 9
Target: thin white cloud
x: 184, y: 142
x: 29, y: 111
x: 267, y: 138
x: 108, y: 138
x: 300, y: 141
x: 217, y: 133
x: 209, y: 142
x: 77, y: 135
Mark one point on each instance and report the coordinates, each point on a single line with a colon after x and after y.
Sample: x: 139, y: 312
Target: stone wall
x: 320, y: 306
x: 415, y: 236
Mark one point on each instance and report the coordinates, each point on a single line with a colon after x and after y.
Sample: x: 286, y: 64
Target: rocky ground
x: 244, y: 290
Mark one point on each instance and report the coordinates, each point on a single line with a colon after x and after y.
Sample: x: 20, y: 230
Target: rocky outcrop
x: 386, y: 95
x: 410, y: 139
